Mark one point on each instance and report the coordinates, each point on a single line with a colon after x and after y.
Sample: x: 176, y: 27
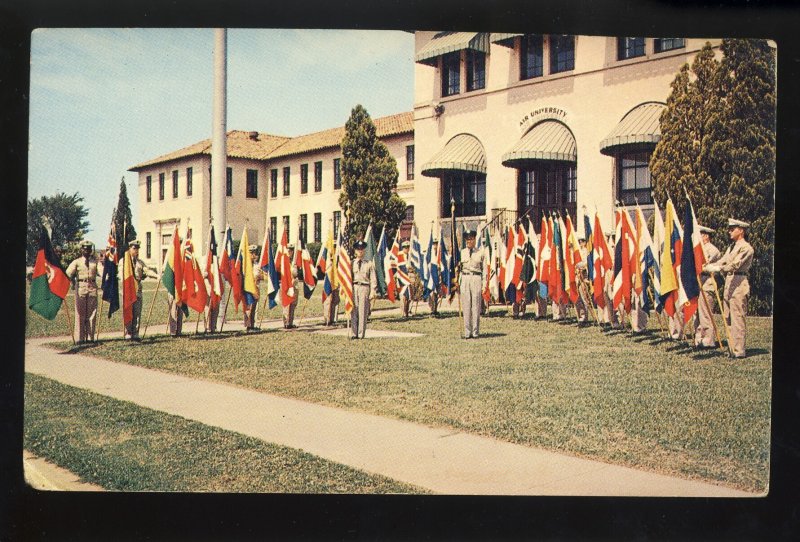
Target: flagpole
x: 303, y: 312
x: 225, y: 312
x: 124, y: 241
x: 722, y: 311
x: 69, y: 319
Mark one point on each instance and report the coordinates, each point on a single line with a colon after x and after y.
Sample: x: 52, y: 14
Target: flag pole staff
x: 457, y: 271
x: 225, y: 312
x: 124, y: 244
x: 69, y: 319
x: 650, y: 292
x: 266, y: 297
x: 350, y: 314
x: 153, y: 302
x: 722, y: 311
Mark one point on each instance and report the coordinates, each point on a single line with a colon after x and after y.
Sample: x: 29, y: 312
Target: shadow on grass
x: 756, y: 351
x: 710, y: 353
x: 680, y: 346
x: 490, y: 335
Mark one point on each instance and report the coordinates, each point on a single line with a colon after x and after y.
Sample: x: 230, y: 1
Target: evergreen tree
x: 65, y: 215
x: 369, y: 179
x: 123, y: 219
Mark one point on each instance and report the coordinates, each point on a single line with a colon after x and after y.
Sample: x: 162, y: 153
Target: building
x: 270, y: 180
x: 508, y: 124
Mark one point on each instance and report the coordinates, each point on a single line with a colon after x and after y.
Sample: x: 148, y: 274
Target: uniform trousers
x: 175, y: 317
x: 358, y: 317
x: 541, y: 307
x: 85, y: 314
x: 703, y: 322
x: 330, y: 307
x: 471, y: 303
x: 132, y: 329
x: 737, y: 289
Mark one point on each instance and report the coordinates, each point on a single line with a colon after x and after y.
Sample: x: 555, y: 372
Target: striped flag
x: 647, y: 260
x: 623, y: 253
x: 49, y: 284
x: 587, y: 231
x: 307, y: 265
x: 658, y: 248
x: 128, y: 289
x: 249, y: 287
x: 345, y: 274
x: 110, y: 280
x: 226, y: 262
x: 669, y: 260
x: 266, y: 262
x: 195, y: 294
x: 172, y: 276
x: 692, y: 261
x: 213, y: 271
x: 379, y: 260
x: 390, y: 269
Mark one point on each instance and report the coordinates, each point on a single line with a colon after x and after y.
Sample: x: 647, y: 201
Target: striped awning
x: 639, y: 126
x: 448, y: 42
x: 549, y: 140
x: 506, y: 40
x: 462, y: 153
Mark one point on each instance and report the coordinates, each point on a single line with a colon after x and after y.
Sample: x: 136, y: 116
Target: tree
x: 718, y: 142
x: 369, y: 179
x: 66, y: 216
x: 123, y: 219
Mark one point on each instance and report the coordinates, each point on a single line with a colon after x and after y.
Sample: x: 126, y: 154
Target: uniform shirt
x: 712, y: 254
x: 737, y: 259
x: 364, y: 272
x: 472, y: 261
x: 86, y: 271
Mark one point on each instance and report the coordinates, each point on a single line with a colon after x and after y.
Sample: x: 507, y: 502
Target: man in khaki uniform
x: 365, y: 287
x: 250, y: 310
x: 433, y: 297
x: 472, y: 268
x: 83, y: 272
x: 735, y: 264
x: 580, y: 278
x: 412, y: 275
x: 288, y: 310
x: 140, y: 271
x: 704, y: 336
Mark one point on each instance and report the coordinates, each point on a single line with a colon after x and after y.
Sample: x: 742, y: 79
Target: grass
x: 123, y: 447
x: 640, y: 400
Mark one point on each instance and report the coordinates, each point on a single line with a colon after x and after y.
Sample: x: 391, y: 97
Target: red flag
x: 602, y: 262
x: 213, y: 271
x: 288, y: 295
x: 128, y: 289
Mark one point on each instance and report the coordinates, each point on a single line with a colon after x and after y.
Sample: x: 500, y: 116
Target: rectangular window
x: 633, y: 177
x: 273, y: 230
x: 273, y: 183
x: 317, y: 227
x: 286, y: 174
x: 668, y: 44
x: 149, y: 188
x: 317, y: 176
x: 304, y: 228
x: 469, y: 192
x: 188, y: 181
x: 175, y: 183
x: 451, y: 73
x: 161, y: 186
x: 337, y: 173
x: 304, y: 178
x: 410, y: 213
x: 410, y: 162
x: 629, y: 48
x: 252, y: 183
x: 229, y: 182
x: 562, y: 53
x: 546, y: 187
x: 337, y: 221
x: 286, y: 226
x: 148, y: 245
x: 476, y: 70
x: 531, y: 57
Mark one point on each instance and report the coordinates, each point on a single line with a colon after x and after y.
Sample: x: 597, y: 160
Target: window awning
x: 506, y: 40
x: 549, y: 140
x: 462, y: 153
x: 640, y: 125
x: 448, y: 42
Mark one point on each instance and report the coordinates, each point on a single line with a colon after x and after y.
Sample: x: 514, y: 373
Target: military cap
x: 135, y: 243
x: 86, y: 244
x: 582, y: 238
x: 706, y: 229
x: 359, y: 245
x: 252, y: 248
x: 470, y: 234
x: 733, y: 223
x: 405, y: 244
x: 290, y: 246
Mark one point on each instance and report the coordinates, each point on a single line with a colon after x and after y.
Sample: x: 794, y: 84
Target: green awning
x: 449, y: 42
x: 462, y: 153
x: 549, y: 140
x: 506, y: 40
x: 639, y: 126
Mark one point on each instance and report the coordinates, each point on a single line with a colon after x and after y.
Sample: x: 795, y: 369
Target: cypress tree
x: 369, y: 179
x: 123, y: 217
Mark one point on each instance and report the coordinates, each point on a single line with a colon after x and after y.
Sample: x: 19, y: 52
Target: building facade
x: 508, y: 124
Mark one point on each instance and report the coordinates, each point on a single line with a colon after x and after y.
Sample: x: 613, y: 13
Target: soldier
x: 580, y: 280
x: 703, y: 323
x: 140, y: 271
x: 433, y: 297
x: 294, y: 290
x: 250, y: 310
x: 365, y: 286
x: 330, y: 307
x: 471, y: 285
x: 83, y: 271
x: 611, y: 316
x: 735, y: 264
x: 409, y: 269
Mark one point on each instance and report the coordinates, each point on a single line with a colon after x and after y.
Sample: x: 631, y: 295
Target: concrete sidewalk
x: 442, y: 460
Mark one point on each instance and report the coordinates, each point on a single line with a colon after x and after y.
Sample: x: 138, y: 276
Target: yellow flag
x: 249, y: 285
x: 669, y: 281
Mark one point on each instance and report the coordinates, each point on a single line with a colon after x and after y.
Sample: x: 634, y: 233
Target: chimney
x: 254, y: 136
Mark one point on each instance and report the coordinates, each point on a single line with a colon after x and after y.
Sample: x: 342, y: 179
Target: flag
x: 495, y: 265
x: 669, y: 277
x: 544, y: 253
x: 647, y: 260
x: 417, y: 260
x: 172, y: 276
x: 572, y: 256
x: 455, y: 254
x: 692, y: 260
x: 321, y: 268
x: 226, y: 263
x: 431, y: 270
x: 444, y: 265
x: 621, y: 292
x: 195, y: 295
x: 213, y: 271
x: 284, y: 266
x: 369, y: 251
x: 556, y: 284
x: 309, y: 280
x: 658, y: 247
x: 390, y: 269
x: 49, y: 284
x: 110, y: 280
x: 249, y: 287
x: 528, y: 274
x: 602, y: 262
x: 128, y: 289
x: 237, y: 278
x: 345, y: 274
x: 519, y: 261
x: 587, y: 234
x: 266, y: 262
x: 379, y: 258
x: 486, y: 246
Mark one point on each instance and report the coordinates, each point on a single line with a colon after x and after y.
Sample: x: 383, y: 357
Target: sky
x: 104, y: 100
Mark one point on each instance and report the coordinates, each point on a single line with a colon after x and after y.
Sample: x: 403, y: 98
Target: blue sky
x: 103, y: 100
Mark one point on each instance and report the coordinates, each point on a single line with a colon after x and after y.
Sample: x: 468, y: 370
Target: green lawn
x: 123, y: 447
x: 635, y: 400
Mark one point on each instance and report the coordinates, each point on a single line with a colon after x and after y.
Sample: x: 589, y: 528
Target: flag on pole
x: 417, y: 259
x: 669, y: 278
x: 309, y: 280
x: 486, y: 247
x: 528, y: 274
x: 284, y: 266
x: 658, y: 248
x: 266, y: 262
x: 647, y: 260
x: 444, y: 265
x: 602, y: 263
x: 249, y: 287
x: 543, y: 254
x: 49, y: 284
x: 213, y: 271
x: 226, y: 263
x: 692, y: 261
x: 172, y: 276
x: 621, y: 292
x: 345, y: 274
x: 379, y: 258
x: 587, y: 235
x: 195, y: 294
x: 390, y: 269
x: 556, y: 284
x: 128, y: 289
x: 110, y: 280
x: 431, y: 269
